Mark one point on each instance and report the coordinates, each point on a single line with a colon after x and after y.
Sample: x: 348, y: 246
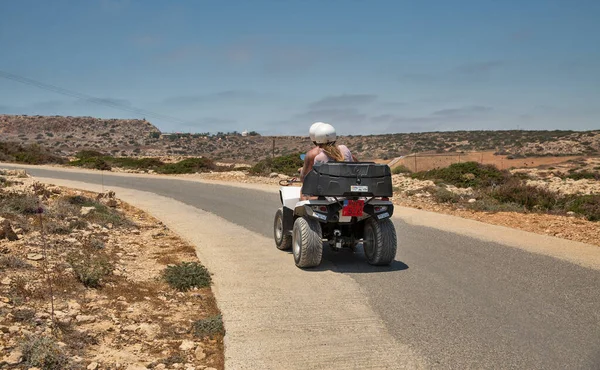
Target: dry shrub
x: 208, y: 327
x: 187, y: 275
x: 43, y: 352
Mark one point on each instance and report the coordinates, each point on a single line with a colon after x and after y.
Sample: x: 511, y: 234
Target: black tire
x: 283, y: 241
x: 379, y: 242
x: 307, y: 242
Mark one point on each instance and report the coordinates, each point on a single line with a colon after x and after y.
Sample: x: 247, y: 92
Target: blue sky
x: 275, y: 67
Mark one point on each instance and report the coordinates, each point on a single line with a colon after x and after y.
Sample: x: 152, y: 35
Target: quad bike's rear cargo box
x: 345, y: 179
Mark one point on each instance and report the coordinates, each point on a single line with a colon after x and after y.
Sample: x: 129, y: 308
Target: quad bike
x: 349, y: 205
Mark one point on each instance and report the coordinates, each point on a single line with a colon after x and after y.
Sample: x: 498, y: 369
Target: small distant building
x: 245, y: 133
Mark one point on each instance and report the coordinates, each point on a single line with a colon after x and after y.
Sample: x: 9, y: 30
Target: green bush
x: 208, y: 327
x: 467, y: 174
x: 400, y: 169
x: 29, y: 154
x: 530, y: 197
x: 442, y: 195
x: 189, y: 165
x: 187, y: 275
x: 90, y: 269
x: 285, y: 164
x: 85, y: 154
x: 584, y: 175
x: 586, y: 205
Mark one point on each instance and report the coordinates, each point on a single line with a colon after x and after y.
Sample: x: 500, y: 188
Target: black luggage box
x: 344, y: 179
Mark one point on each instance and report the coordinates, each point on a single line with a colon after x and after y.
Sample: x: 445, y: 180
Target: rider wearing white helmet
x: 325, y: 150
x: 313, y: 129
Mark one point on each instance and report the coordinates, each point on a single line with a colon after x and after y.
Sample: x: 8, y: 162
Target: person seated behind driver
x: 325, y: 151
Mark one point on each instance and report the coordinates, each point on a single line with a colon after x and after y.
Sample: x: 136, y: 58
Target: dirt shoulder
x: 103, y: 262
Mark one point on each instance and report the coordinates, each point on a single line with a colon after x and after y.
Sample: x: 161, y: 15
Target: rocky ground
x: 82, y: 286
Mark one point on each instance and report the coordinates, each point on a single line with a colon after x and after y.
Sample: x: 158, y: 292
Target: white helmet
x: 325, y: 133
x: 312, y: 130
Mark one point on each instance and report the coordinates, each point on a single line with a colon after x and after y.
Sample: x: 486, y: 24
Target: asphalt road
x: 459, y: 302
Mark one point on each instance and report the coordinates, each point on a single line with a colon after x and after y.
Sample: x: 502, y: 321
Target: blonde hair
x: 332, y: 151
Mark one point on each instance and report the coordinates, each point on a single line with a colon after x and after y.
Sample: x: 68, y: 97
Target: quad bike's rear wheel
x: 307, y: 242
x: 283, y: 241
x: 379, y: 241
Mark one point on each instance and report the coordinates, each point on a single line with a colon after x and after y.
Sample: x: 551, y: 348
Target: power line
x: 89, y: 98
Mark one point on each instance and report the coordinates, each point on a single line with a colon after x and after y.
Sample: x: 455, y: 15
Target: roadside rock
x: 14, y: 358
x: 35, y: 257
x: 186, y: 345
x: 92, y: 366
x: 85, y: 319
x: 199, y: 353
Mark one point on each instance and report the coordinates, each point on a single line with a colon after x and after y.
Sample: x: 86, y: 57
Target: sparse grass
x: 101, y: 214
x: 442, y: 195
x: 90, y: 268
x: 187, y: 275
x: 208, y: 327
x: 43, y: 352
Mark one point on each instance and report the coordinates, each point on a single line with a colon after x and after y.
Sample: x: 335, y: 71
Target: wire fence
x: 423, y: 162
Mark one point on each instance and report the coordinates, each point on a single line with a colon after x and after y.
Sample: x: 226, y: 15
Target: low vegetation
x: 285, y: 164
x: 44, y: 353
x: 400, y: 169
x: 187, y: 275
x: 28, y: 154
x: 499, y: 190
x: 208, y: 327
x: 99, y: 161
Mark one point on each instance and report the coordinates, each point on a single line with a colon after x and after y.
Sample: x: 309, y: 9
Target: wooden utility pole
x: 416, y: 162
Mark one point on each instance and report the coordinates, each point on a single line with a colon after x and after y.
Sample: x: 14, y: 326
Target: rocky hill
x: 68, y: 135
